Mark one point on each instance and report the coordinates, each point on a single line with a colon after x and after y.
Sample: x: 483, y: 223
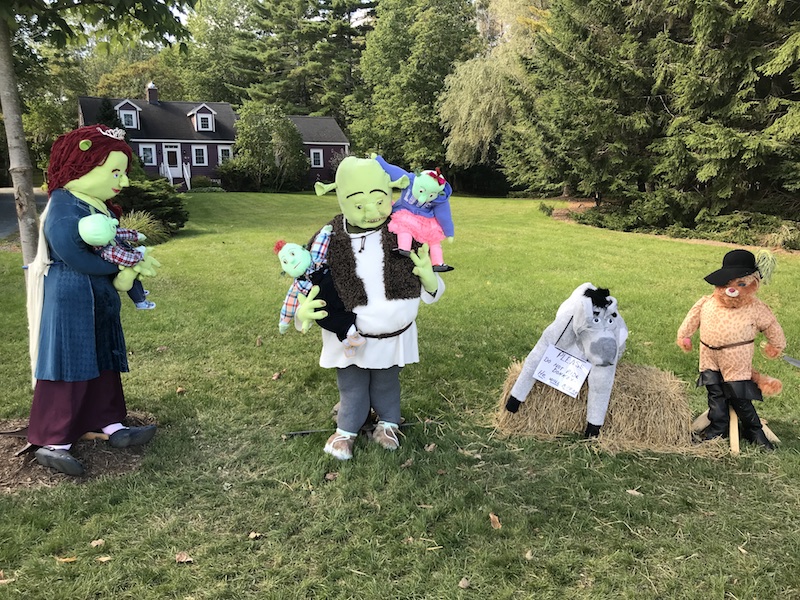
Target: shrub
x: 201, y: 181
x: 145, y: 223
x: 158, y: 198
x: 235, y: 176
x: 546, y: 209
x: 206, y: 190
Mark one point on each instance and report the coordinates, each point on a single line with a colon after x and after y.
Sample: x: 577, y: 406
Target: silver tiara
x: 117, y: 134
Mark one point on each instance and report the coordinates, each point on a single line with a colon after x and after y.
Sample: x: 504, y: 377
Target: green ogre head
x: 364, y: 191
x: 295, y: 259
x: 97, y: 229
x: 427, y: 187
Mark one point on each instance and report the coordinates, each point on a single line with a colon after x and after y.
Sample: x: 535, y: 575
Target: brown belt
x: 381, y: 336
x: 726, y: 345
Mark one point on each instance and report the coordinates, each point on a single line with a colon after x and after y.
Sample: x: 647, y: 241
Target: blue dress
x: 81, y: 333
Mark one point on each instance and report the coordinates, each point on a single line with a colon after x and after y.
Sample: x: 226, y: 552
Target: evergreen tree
x: 414, y: 46
x: 106, y: 115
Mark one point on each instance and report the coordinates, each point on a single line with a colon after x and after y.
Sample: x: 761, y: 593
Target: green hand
x: 424, y: 269
x: 308, y: 309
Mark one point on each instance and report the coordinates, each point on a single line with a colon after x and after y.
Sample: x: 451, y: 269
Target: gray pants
x: 360, y: 389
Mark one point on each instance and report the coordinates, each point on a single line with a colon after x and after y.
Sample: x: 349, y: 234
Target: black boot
x: 752, y: 429
x: 717, y: 412
x: 591, y: 430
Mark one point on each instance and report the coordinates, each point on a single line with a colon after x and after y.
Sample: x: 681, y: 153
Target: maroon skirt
x: 62, y: 411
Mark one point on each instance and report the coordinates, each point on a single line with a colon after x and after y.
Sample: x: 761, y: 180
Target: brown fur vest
x: 399, y: 281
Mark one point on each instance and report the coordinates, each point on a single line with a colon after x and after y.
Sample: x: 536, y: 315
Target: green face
x: 295, y: 259
x: 105, y: 181
x: 97, y: 230
x: 426, y: 188
x: 364, y: 191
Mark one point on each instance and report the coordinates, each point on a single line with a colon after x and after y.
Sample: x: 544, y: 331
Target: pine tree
x: 414, y: 46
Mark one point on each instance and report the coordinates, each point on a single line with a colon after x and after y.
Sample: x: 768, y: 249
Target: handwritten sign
x: 562, y: 371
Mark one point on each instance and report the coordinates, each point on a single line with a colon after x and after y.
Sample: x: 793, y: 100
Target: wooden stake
x: 734, y: 431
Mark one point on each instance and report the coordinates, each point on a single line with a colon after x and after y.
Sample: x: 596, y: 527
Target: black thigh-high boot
x: 752, y: 429
x: 717, y: 412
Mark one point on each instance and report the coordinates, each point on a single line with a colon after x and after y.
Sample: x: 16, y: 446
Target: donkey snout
x: 603, y: 351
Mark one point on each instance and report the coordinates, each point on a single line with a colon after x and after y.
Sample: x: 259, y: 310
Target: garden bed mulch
x: 23, y: 472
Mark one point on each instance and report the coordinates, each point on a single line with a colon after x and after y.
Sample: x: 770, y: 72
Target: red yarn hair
x: 68, y: 162
x: 278, y: 245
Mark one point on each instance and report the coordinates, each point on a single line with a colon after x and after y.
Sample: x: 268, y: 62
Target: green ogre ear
x: 401, y: 183
x: 323, y: 188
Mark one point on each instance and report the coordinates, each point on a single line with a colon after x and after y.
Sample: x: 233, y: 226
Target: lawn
x: 266, y: 517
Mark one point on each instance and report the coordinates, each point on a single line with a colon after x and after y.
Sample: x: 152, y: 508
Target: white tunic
x: 380, y: 315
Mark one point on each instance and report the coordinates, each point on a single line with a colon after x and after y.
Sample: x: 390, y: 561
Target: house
x: 179, y: 140
x: 322, y: 139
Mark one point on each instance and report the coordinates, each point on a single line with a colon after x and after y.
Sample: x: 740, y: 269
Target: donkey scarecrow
x: 589, y: 327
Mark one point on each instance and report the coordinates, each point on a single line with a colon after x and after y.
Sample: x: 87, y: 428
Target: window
x: 128, y: 118
x: 199, y: 156
x: 204, y: 123
x: 317, y: 158
x: 147, y: 152
x: 223, y: 154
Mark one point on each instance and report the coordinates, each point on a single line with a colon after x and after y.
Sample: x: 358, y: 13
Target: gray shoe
x: 60, y: 460
x: 132, y: 436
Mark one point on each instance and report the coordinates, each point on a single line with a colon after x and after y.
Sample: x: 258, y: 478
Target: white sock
x: 59, y: 446
x: 113, y: 428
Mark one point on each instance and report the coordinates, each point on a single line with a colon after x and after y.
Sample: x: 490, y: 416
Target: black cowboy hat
x: 735, y: 264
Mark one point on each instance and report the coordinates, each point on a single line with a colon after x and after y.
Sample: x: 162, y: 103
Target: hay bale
x: 648, y: 410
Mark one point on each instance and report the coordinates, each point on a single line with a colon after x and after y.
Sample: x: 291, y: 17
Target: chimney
x: 151, y: 93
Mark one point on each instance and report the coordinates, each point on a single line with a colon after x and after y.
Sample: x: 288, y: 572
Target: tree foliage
x: 413, y: 47
x: 680, y: 110
x: 269, y: 148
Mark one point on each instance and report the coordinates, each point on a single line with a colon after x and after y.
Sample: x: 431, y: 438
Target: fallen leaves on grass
x: 464, y: 583
x: 259, y: 342
x: 331, y: 476
x: 254, y: 535
x: 183, y: 557
x: 407, y: 464
x: 67, y: 559
x: 4, y: 581
x: 495, y: 521
x: 635, y: 493
x: 430, y: 447
x: 162, y: 348
x: 180, y: 391
x: 278, y: 375
x: 529, y: 555
x: 103, y: 559
x: 96, y: 543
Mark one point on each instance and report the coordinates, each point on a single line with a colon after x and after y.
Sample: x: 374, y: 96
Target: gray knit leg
x: 354, y: 392
x: 384, y: 393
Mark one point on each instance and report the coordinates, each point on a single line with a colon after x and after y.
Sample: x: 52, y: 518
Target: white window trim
x: 204, y: 148
x: 219, y: 153
x: 317, y: 153
x: 134, y: 118
x: 199, y: 119
x: 141, y: 154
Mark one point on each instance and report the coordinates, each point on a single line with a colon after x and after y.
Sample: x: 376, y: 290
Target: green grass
x: 387, y: 528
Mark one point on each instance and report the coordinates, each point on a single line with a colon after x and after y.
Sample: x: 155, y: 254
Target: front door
x: 172, y: 155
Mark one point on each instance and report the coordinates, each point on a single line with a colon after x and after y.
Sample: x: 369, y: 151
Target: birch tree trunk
x: 19, y: 157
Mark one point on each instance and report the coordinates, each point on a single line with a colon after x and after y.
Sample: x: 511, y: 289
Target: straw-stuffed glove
x: 308, y: 309
x: 771, y: 351
x: 512, y: 404
x: 424, y: 269
x: 685, y: 344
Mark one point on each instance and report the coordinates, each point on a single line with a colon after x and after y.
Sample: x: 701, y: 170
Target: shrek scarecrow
x: 383, y: 289
x: 76, y: 341
x: 729, y: 320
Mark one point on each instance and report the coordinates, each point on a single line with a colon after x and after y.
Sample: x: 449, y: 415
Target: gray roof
x: 167, y: 120
x: 319, y: 130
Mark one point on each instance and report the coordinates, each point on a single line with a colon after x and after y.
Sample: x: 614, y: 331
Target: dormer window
x: 128, y: 118
x: 203, y: 118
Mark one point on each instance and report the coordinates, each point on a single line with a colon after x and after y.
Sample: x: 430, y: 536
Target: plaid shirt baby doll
x: 302, y: 284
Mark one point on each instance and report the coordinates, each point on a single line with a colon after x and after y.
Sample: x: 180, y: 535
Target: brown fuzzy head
x: 738, y: 292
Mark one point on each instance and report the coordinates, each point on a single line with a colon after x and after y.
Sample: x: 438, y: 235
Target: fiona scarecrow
x: 76, y: 340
